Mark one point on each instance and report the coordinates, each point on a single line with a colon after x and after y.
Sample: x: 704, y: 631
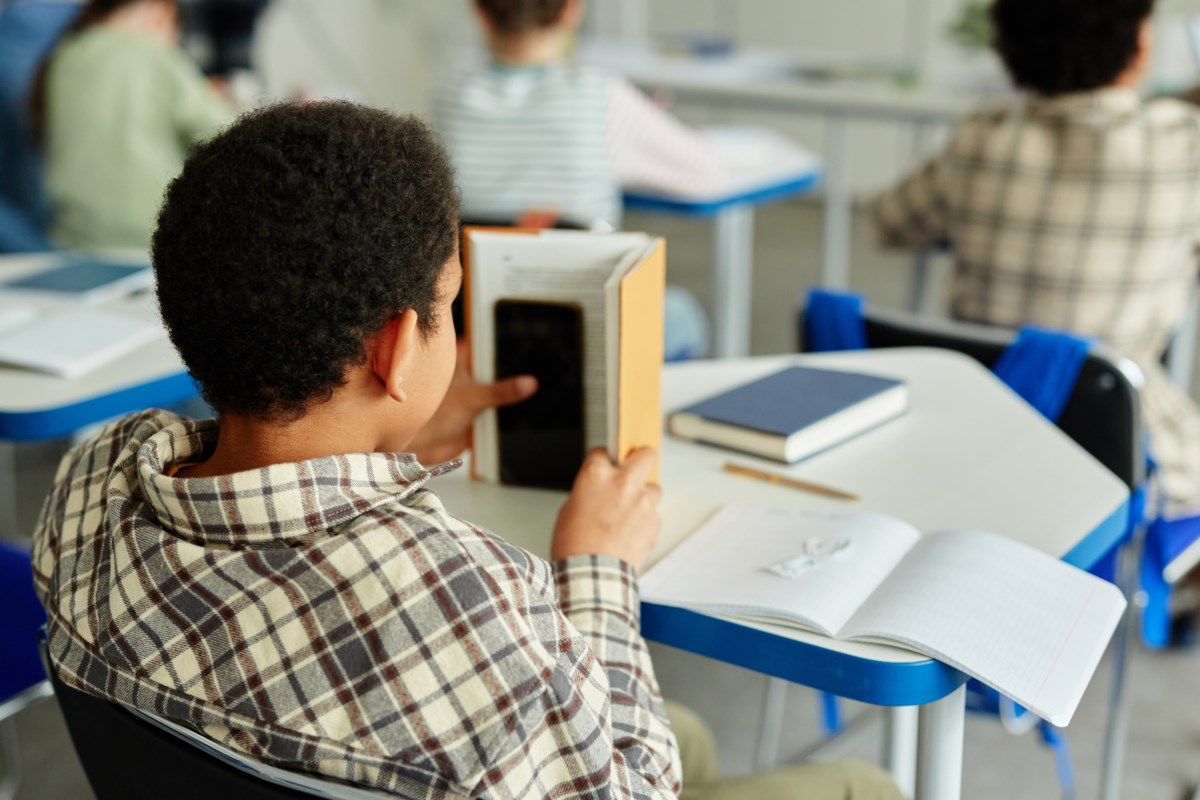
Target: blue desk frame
x: 54, y: 423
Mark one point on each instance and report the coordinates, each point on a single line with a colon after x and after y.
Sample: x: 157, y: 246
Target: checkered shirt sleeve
x: 1077, y: 213
x: 331, y: 617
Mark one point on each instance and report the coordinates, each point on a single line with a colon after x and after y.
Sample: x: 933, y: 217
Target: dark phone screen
x: 541, y: 439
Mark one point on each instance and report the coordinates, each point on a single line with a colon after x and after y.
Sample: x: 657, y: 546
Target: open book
x: 584, y: 313
x: 1025, y: 623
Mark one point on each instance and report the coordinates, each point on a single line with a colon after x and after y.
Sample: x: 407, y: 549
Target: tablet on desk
x: 83, y: 281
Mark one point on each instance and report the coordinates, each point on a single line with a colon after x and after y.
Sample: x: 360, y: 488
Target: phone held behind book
x: 583, y: 313
x: 794, y: 413
x: 541, y: 440
x: 1019, y: 620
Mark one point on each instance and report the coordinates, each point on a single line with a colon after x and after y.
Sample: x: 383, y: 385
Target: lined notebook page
x: 722, y: 567
x: 1024, y: 623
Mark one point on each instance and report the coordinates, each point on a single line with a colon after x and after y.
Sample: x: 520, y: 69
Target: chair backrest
x: 130, y: 755
x: 129, y: 758
x: 1102, y: 415
x: 20, y: 618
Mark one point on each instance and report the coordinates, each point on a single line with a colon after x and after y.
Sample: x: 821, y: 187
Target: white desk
x: 762, y: 167
x: 969, y: 454
x: 34, y: 406
x: 756, y: 81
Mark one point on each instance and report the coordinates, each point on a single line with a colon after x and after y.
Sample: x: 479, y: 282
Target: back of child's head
x: 293, y: 237
x: 1055, y: 47
x: 517, y: 17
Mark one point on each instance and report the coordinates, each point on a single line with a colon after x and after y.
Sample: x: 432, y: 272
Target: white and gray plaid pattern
x: 1080, y: 213
x: 330, y: 616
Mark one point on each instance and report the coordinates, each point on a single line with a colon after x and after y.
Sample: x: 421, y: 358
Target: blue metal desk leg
x: 732, y: 280
x: 940, y: 747
x: 900, y: 746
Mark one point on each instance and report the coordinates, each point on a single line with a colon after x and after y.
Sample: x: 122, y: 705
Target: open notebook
x: 1026, y: 624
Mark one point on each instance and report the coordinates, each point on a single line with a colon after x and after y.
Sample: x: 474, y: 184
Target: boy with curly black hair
x: 1077, y: 207
x: 281, y: 579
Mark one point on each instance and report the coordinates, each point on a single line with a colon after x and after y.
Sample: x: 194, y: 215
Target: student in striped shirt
x: 534, y: 131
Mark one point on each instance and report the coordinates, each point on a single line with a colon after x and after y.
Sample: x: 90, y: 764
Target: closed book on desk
x: 85, y: 281
x: 792, y: 414
x: 1023, y: 622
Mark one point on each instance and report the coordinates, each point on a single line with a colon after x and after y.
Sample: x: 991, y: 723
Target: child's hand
x: 612, y: 511
x: 448, y: 433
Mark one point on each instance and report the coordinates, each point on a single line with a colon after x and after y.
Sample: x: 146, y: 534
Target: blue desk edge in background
x: 54, y: 423
x: 711, y: 207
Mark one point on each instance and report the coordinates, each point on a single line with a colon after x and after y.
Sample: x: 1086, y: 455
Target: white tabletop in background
x: 969, y: 454
x: 23, y: 390
x: 772, y: 79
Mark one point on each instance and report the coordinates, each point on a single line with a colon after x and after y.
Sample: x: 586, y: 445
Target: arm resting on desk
x: 599, y: 596
x: 653, y: 151
x: 913, y: 213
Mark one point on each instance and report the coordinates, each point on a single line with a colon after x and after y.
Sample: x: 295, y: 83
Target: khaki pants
x: 835, y: 780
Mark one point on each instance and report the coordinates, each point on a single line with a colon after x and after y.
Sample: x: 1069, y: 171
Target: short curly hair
x: 1055, y: 47
x: 515, y: 17
x: 290, y: 239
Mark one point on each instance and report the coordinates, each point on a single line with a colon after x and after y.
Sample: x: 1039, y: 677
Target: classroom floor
x: 1163, y: 757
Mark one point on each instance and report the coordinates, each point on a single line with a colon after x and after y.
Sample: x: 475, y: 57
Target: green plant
x: 972, y: 28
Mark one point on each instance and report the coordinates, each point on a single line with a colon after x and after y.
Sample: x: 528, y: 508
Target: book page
x: 754, y: 561
x: 549, y: 266
x: 1018, y: 619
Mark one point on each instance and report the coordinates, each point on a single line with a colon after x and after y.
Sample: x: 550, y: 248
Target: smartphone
x: 541, y: 440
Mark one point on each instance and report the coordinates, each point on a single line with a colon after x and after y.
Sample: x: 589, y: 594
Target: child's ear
x: 394, y: 351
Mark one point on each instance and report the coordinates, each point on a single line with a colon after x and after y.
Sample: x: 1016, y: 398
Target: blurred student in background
x: 117, y: 106
x: 1077, y: 208
x: 533, y: 131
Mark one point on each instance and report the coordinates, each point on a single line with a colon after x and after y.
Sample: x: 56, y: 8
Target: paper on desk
x: 75, y: 342
x: 1026, y: 624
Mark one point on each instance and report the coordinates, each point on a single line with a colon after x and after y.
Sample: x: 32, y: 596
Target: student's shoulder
x: 445, y: 539
x: 1171, y: 112
x: 129, y: 432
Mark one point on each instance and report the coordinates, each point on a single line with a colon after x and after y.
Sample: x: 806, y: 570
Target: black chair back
x: 1102, y: 414
x: 128, y: 758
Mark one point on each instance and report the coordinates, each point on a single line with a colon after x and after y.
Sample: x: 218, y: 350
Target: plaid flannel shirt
x: 1082, y: 213
x: 330, y: 616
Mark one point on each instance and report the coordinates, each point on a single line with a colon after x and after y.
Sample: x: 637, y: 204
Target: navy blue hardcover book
x: 794, y: 413
x: 86, y: 280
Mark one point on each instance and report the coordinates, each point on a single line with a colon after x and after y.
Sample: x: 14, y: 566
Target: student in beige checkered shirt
x: 283, y: 579
x: 1076, y: 207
